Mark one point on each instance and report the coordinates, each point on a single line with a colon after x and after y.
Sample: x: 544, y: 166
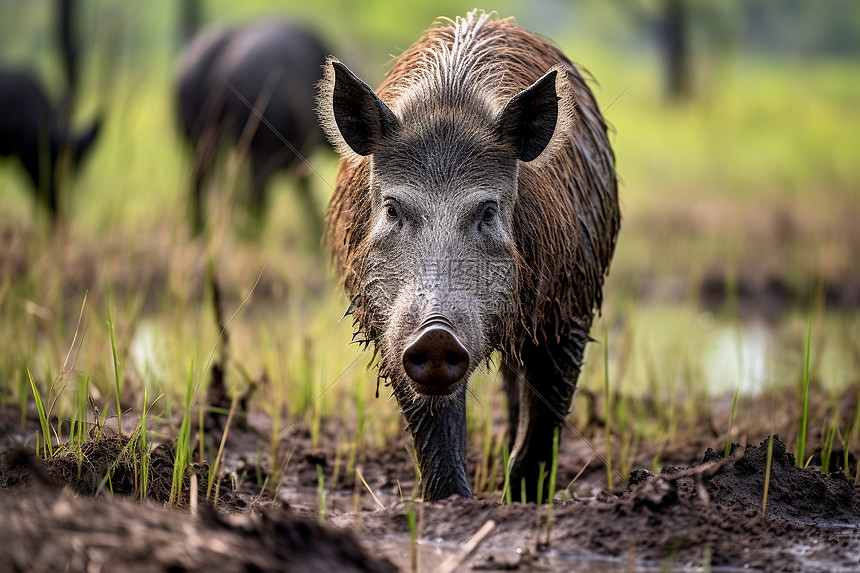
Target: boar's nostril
x: 436, y: 359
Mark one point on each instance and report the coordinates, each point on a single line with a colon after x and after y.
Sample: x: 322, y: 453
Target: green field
x: 753, y: 178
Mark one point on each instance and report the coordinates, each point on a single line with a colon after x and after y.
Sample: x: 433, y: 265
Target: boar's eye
x: 489, y: 213
x: 392, y: 210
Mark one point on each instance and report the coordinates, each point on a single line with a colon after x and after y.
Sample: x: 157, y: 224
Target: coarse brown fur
x: 566, y: 220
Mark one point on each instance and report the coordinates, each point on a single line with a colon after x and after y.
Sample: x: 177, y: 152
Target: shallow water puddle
x: 431, y: 554
x: 738, y: 356
x: 680, y: 344
x: 683, y: 346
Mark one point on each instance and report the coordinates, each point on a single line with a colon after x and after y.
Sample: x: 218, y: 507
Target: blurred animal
x: 475, y: 211
x: 271, y: 66
x: 38, y: 132
x: 39, y: 136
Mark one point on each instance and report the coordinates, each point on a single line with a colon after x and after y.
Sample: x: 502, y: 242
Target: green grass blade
x: 43, y: 418
x: 553, y: 472
x: 143, y: 446
x: 541, y: 475
x: 506, y: 460
x: 827, y: 450
x: 213, y: 470
x: 79, y: 435
x: 801, y: 447
x: 413, y: 536
x: 115, y: 372
x: 321, y: 494
x: 767, y: 477
x: 182, y: 455
x: 728, y: 448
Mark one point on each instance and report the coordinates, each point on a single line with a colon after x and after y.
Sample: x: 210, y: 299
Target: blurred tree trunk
x: 674, y: 42
x: 189, y: 20
x: 668, y: 23
x: 69, y: 55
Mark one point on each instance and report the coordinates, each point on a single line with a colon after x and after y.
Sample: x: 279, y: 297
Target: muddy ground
x: 704, y: 512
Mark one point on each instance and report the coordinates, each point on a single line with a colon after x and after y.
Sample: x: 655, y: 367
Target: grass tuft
x: 182, y: 453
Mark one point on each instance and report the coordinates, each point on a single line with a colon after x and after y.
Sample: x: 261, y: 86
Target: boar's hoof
x: 436, y: 360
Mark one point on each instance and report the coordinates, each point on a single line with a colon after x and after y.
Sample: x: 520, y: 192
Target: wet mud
x: 698, y: 515
x: 51, y: 529
x: 62, y: 515
x: 708, y: 516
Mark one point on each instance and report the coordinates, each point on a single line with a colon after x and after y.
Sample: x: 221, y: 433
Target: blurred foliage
x: 771, y: 120
x: 762, y: 151
x: 149, y: 32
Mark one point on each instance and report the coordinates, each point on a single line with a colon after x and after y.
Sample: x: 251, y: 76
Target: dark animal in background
x: 272, y: 65
x: 32, y: 131
x: 38, y: 132
x: 475, y: 211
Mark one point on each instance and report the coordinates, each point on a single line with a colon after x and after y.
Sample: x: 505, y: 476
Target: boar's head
x: 436, y: 285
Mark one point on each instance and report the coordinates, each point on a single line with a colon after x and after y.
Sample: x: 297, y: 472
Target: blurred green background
x: 755, y: 146
x: 740, y: 187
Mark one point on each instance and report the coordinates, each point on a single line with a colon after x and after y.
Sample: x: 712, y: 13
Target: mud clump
x: 47, y: 529
x: 110, y: 466
x: 708, y: 515
x: 64, y: 501
x: 794, y: 494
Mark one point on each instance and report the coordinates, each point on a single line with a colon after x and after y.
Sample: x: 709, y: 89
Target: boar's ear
x: 351, y: 113
x: 529, y: 119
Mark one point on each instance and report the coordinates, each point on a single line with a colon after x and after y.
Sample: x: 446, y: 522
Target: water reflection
x: 148, y: 354
x: 738, y: 357
x: 677, y: 349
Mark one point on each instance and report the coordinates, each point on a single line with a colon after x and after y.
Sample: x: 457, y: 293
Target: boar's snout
x: 436, y: 359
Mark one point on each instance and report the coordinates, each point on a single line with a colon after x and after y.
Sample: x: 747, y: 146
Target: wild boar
x: 475, y: 211
x: 37, y: 131
x: 227, y: 79
x: 38, y: 134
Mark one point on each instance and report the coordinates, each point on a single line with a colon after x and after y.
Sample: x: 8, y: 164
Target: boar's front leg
x: 438, y: 429
x: 539, y: 395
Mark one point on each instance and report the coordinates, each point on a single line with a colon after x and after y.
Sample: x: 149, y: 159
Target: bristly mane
x: 456, y: 66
